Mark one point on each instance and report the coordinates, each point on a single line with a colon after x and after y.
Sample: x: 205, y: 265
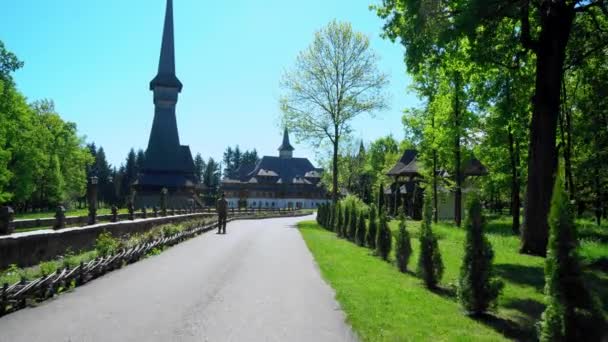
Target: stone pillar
x: 7, y: 214
x: 59, y: 218
x: 155, y: 210
x: 144, y: 212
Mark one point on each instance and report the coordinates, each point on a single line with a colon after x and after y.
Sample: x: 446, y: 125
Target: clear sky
x: 96, y: 58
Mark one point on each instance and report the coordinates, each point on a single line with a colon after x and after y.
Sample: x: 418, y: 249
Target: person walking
x: 222, y: 213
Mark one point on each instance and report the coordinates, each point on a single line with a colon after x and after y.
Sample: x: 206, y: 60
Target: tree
x: 384, y: 239
x: 331, y: 221
x: 344, y: 228
x: 430, y: 265
x: 199, y: 167
x: 361, y: 229
x: 572, y: 313
x: 542, y: 28
x: 352, y: 224
x: 140, y: 160
x: 334, y: 80
x: 403, y: 246
x: 250, y: 157
x: 129, y: 175
x: 372, y: 228
x: 381, y: 198
x: 211, y: 175
x: 478, y: 289
x: 338, y: 220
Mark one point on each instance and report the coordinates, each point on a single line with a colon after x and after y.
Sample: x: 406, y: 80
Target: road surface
x: 258, y: 282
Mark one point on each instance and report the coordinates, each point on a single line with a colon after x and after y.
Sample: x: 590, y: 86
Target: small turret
x: 286, y: 150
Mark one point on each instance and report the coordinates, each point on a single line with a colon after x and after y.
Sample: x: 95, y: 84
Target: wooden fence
x: 16, y: 296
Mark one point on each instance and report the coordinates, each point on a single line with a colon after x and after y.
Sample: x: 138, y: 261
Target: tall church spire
x: 166, y: 65
x: 286, y: 150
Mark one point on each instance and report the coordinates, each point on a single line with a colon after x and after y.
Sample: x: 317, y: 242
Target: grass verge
x: 383, y: 304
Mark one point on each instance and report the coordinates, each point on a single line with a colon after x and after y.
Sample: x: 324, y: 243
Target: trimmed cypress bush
x: 361, y: 231
x: 403, y: 247
x: 346, y: 218
x: 339, y: 220
x: 384, y: 239
x: 381, y: 199
x: 372, y: 228
x: 572, y: 313
x: 320, y: 215
x: 352, y: 224
x: 331, y: 219
x: 430, y: 265
x: 478, y: 288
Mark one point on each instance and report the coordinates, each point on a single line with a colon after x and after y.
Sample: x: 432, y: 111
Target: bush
x: 478, y: 289
x: 352, y: 224
x: 339, y: 220
x: 403, y: 247
x: 430, y: 265
x: 47, y: 268
x: 171, y: 229
x: 384, y: 238
x: 344, y: 227
x: 361, y: 231
x: 372, y: 229
x: 106, y: 244
x: 572, y: 313
x: 331, y: 219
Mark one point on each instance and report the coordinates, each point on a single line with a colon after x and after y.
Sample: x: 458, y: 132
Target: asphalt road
x: 258, y: 282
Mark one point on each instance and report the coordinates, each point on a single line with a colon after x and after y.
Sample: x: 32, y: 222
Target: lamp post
x: 92, y: 194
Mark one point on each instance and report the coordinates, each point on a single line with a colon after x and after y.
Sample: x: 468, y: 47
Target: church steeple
x: 166, y: 65
x: 286, y: 150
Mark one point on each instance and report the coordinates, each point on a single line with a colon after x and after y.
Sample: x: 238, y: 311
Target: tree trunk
x: 458, y: 171
x: 556, y: 22
x: 436, y: 210
x: 334, y: 180
x: 514, y: 183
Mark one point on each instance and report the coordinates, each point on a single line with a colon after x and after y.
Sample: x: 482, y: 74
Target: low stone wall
x: 30, y: 248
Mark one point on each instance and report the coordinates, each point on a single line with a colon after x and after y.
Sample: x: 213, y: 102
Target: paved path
x: 259, y: 282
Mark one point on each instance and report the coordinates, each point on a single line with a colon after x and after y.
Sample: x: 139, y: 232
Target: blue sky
x: 96, y: 58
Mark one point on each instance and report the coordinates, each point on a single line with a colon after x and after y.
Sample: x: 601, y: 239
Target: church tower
x: 286, y: 150
x: 168, y: 164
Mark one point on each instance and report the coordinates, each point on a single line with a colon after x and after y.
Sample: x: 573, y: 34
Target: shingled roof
x: 408, y: 165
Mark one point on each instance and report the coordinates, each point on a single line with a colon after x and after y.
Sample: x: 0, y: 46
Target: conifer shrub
x: 384, y: 238
x: 320, y: 215
x: 572, y: 312
x: 331, y: 222
x: 430, y: 265
x: 339, y: 220
x: 346, y: 222
x: 403, y: 246
x: 372, y: 229
x: 361, y: 229
x: 478, y: 288
x: 352, y: 224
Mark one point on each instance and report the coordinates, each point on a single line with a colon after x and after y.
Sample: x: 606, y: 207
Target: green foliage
x: 478, y: 288
x: 430, y: 265
x: 171, y: 229
x: 339, y: 219
x: 384, y: 239
x: 48, y: 268
x: 106, y: 244
x: 331, y: 220
x: 372, y: 230
x: 572, y: 313
x: 352, y: 223
x: 361, y: 230
x: 403, y: 246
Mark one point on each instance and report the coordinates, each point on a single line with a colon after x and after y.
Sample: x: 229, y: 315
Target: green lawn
x: 383, y: 304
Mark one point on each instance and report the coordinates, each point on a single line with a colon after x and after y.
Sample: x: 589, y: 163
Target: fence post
x: 7, y: 214
x: 144, y: 212
x: 59, y: 218
x: 114, y: 217
x: 3, y: 299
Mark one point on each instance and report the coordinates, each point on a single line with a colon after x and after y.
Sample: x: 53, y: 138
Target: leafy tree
x: 403, y: 246
x: 478, y: 288
x: 572, y: 313
x: 384, y: 239
x: 372, y: 228
x: 430, y: 265
x: 429, y: 29
x: 361, y: 229
x: 334, y: 80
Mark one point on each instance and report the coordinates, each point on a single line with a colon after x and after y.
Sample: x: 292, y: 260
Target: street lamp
x: 92, y: 192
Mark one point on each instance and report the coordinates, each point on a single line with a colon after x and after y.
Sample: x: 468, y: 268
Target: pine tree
x: 478, y: 288
x: 403, y: 247
x: 331, y: 220
x: 361, y: 231
x: 352, y: 224
x: 572, y: 313
x: 384, y: 240
x: 339, y: 220
x: 372, y: 228
x: 430, y: 265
